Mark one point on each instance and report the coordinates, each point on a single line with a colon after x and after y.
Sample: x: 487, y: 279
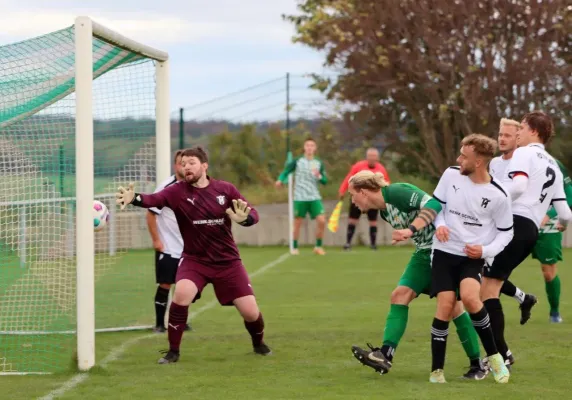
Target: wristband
x: 248, y: 221
x: 412, y: 228
x: 137, y: 201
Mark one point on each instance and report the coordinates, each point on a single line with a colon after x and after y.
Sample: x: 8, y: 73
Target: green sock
x: 295, y: 244
x: 318, y: 242
x: 395, y: 324
x: 468, y: 335
x: 553, y: 293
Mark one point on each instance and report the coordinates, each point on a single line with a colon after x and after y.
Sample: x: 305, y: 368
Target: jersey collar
x: 536, y: 145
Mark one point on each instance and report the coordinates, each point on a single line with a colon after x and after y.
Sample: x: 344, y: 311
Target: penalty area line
x: 117, y: 352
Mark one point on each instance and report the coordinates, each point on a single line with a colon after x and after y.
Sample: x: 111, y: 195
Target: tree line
x: 441, y: 69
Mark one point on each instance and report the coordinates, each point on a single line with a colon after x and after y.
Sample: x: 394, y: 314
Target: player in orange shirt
x: 371, y: 163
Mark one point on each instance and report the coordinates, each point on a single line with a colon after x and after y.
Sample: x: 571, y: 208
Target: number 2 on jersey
x: 551, y: 178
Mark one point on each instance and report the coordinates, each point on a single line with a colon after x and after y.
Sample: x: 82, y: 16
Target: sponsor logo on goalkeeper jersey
x: 210, y: 222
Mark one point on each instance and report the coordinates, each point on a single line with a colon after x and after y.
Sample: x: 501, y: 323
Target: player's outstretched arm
x: 125, y: 196
x: 409, y: 198
x: 288, y: 169
x: 427, y: 215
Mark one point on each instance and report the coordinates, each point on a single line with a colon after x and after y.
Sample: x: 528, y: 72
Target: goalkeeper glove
x: 125, y: 196
x: 240, y: 212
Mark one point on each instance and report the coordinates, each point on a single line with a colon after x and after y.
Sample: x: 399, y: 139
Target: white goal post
x: 85, y: 30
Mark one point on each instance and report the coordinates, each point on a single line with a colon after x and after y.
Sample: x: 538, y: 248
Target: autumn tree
x: 425, y: 73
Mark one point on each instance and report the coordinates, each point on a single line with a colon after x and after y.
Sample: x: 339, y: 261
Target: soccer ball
x: 100, y: 215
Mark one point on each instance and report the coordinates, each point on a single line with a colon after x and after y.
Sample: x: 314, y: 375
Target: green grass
x: 315, y: 308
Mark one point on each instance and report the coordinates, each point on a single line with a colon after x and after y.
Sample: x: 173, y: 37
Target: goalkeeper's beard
x: 192, y: 179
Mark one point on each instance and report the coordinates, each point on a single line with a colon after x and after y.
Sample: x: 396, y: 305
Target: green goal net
x: 38, y: 237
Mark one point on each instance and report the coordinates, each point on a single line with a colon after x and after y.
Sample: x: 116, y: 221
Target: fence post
x: 288, y: 159
x: 181, y: 128
x: 70, y: 229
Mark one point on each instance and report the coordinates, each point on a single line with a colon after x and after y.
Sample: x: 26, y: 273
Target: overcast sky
x: 216, y: 47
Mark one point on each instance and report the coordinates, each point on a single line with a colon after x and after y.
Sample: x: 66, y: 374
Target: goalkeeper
x: 408, y: 209
x: 309, y: 172
x: 371, y: 163
x: 205, y: 209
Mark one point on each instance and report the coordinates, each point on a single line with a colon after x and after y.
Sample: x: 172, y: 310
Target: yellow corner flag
x: 335, y: 217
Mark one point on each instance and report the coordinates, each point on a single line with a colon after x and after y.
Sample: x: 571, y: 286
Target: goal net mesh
x: 37, y: 196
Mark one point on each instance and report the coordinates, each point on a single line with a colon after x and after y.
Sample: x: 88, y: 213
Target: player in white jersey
x: 508, y: 130
x: 475, y: 224
x: 534, y: 182
x: 168, y: 245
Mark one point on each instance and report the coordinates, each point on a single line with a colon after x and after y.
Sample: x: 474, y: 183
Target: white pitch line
x: 117, y: 352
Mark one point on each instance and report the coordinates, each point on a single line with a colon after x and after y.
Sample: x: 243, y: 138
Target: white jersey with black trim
x: 167, y: 224
x: 474, y: 213
x: 498, y: 169
x: 545, y: 181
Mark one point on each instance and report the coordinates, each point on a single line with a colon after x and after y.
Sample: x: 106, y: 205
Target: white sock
x: 519, y: 295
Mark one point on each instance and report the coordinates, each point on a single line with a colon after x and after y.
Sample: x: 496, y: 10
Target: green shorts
x: 548, y: 248
x: 314, y: 208
x: 417, y: 274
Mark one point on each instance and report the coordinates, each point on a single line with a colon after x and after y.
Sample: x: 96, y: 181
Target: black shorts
x: 355, y: 213
x: 165, y: 268
x: 448, y: 270
x: 519, y: 248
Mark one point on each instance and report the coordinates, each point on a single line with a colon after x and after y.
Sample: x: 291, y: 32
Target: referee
x: 370, y: 163
x: 168, y: 245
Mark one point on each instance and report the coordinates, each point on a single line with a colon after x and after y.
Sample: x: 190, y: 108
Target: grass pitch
x: 315, y: 308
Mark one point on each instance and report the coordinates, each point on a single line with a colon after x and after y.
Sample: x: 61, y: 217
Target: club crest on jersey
x: 221, y: 199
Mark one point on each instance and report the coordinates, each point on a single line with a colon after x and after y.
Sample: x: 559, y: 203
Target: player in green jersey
x: 308, y: 172
x: 411, y: 212
x: 548, y: 250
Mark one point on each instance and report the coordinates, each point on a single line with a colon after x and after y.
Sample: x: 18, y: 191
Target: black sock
x: 476, y: 362
x: 372, y: 234
x: 350, y: 234
x: 508, y: 289
x: 161, y: 299
x: 482, y: 324
x: 494, y: 309
x: 388, y: 351
x: 439, y: 333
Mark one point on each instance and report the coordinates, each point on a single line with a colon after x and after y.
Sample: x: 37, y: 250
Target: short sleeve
x: 503, y: 214
x: 519, y: 163
x: 407, y: 197
x: 440, y: 193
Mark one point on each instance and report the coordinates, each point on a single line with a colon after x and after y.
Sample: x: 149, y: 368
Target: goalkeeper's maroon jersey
x: 202, y: 219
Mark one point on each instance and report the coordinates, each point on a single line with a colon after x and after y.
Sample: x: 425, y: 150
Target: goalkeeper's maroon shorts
x: 230, y: 281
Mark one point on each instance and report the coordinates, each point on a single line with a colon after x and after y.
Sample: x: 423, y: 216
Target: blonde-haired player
x: 411, y: 212
x: 508, y: 131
